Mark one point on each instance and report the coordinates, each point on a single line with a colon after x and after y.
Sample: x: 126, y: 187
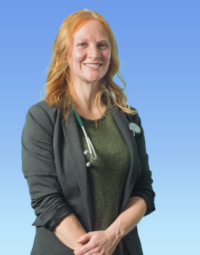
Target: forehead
x: 92, y: 29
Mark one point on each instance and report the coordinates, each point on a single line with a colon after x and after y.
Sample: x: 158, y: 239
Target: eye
x: 103, y: 44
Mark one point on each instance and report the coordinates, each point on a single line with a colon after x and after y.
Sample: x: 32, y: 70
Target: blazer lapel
x: 72, y: 137
x: 123, y: 125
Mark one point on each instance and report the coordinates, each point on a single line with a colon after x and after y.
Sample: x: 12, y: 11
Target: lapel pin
x: 134, y: 127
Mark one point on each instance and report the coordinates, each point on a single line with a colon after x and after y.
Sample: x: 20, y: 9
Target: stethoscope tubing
x: 89, y: 145
x: 91, y: 151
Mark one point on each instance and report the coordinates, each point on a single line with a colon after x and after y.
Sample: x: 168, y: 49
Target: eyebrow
x: 102, y: 40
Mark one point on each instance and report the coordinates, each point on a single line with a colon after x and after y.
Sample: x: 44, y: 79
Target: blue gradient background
x: 159, y: 50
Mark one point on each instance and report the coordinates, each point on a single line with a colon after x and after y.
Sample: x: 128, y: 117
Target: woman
x: 88, y: 195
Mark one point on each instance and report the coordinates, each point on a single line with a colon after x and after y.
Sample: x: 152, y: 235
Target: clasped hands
x: 97, y: 242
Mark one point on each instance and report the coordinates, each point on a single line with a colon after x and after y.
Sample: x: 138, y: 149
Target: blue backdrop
x: 159, y: 52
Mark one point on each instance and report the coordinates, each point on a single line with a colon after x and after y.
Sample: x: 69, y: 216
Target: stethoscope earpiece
x: 86, y: 153
x: 88, y: 164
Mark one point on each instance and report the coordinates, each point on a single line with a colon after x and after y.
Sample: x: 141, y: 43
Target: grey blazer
x: 55, y: 168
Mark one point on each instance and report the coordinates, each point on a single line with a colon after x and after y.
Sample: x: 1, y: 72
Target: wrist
x: 114, y: 232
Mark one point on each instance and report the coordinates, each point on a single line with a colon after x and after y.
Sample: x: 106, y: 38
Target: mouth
x: 93, y: 66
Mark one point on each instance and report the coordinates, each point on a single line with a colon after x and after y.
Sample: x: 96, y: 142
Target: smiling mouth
x: 93, y: 65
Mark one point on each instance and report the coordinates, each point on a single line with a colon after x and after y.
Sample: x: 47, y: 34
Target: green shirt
x: 107, y: 175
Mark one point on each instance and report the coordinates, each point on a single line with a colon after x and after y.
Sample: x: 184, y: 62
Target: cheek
x: 107, y: 56
x: 78, y: 56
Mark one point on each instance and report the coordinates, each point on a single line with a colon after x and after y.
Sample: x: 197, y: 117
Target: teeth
x: 92, y: 65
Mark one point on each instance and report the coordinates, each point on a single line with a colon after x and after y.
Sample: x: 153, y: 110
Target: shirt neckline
x: 90, y: 120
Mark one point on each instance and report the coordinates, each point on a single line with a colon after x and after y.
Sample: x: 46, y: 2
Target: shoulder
x: 43, y: 108
x: 135, y: 116
x: 43, y: 115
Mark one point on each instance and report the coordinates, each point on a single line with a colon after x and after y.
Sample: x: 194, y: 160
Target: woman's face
x: 89, y: 46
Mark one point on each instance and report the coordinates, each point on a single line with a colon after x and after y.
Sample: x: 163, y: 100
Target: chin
x: 93, y: 80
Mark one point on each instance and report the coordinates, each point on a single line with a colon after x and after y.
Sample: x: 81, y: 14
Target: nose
x: 94, y: 51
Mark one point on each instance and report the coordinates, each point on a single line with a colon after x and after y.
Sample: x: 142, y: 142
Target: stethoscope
x: 91, y: 151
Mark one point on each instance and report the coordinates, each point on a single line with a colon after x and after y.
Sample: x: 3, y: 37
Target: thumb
x: 84, y: 238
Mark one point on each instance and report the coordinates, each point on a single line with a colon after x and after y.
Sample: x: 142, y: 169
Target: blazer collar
x: 78, y: 158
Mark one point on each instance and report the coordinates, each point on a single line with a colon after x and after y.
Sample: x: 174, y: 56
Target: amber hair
x: 58, y: 76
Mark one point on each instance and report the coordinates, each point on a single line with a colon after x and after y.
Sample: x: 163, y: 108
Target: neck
x: 84, y: 99
x: 84, y: 95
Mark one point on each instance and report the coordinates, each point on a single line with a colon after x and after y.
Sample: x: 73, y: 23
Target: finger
x: 86, y: 248
x: 94, y: 251
x: 84, y: 238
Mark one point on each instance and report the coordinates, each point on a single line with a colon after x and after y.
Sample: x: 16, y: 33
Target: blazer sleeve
x: 143, y: 186
x: 39, y: 169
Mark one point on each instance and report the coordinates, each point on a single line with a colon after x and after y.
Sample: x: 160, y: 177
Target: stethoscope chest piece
x: 134, y: 127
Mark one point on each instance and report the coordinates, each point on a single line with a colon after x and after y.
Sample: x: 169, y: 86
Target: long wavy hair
x: 58, y: 76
